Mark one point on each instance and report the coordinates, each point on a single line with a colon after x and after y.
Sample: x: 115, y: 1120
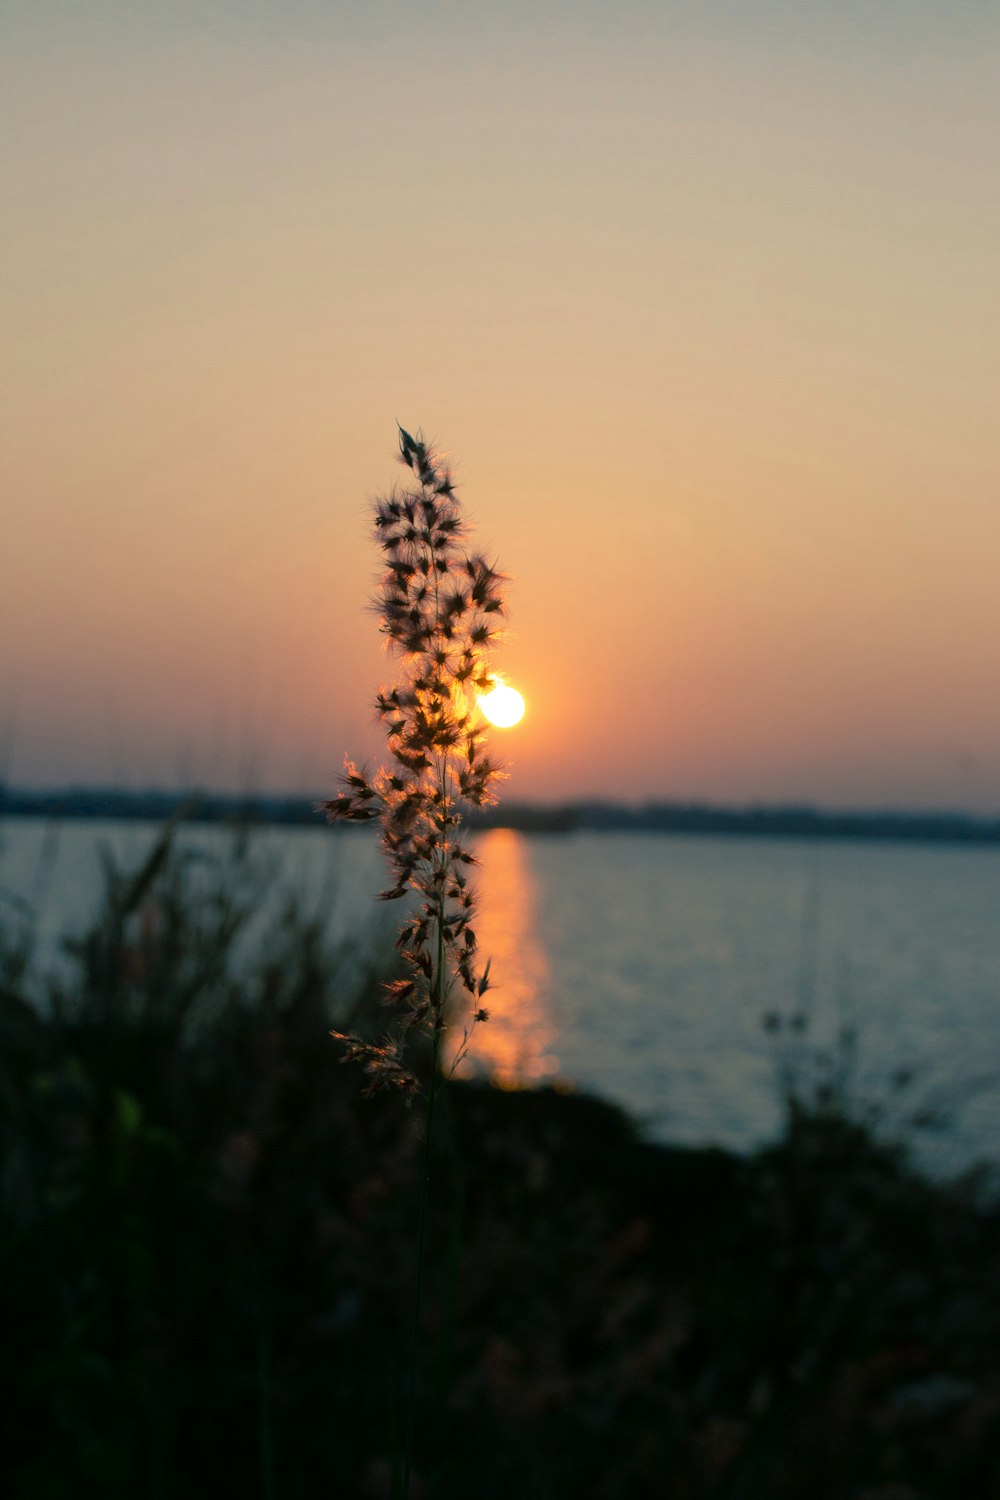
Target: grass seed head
x: 437, y: 605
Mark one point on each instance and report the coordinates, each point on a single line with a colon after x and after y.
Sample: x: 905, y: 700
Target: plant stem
x: 425, y: 1181
x: 446, y: 1352
x: 265, y: 1427
x: 438, y: 999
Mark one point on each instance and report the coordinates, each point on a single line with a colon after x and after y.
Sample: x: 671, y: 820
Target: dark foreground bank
x: 207, y: 1246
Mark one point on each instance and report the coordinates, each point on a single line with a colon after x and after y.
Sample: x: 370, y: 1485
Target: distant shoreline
x: 790, y: 822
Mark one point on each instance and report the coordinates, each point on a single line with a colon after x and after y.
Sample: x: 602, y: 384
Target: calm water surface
x: 641, y: 966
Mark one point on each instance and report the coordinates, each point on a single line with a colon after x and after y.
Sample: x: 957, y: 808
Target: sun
x: 502, y: 705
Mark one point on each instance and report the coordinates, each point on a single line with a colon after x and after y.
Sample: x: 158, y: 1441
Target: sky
x: 702, y: 300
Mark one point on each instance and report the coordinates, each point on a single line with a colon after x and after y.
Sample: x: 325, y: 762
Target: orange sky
x: 703, y: 300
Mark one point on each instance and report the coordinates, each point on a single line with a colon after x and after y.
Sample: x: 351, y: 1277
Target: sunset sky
x: 704, y: 300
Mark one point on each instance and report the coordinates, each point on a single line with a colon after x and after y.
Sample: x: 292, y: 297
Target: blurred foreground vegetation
x: 207, y: 1248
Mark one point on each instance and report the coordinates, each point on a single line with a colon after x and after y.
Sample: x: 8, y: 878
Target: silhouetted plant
x: 440, y: 606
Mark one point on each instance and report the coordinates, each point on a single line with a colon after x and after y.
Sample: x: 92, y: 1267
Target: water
x: 55, y: 870
x: 641, y: 966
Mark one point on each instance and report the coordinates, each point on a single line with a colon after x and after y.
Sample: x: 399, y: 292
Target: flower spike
x: 439, y: 607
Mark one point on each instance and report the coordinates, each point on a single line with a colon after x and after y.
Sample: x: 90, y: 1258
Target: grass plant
x: 440, y: 606
x: 165, y: 1174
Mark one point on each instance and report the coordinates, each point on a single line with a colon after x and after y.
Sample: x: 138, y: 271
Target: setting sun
x: 502, y: 705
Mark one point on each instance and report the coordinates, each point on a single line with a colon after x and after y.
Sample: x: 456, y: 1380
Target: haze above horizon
x: 701, y: 298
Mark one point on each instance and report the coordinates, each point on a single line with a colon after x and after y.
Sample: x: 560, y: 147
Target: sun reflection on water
x: 515, y: 1045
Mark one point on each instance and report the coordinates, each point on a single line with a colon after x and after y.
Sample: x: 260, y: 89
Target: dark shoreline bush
x: 207, y: 1243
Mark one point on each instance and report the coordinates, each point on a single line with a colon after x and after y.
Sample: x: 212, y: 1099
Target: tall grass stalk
x: 441, y: 607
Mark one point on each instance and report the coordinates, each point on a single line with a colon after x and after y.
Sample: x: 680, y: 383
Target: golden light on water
x: 502, y: 705
x: 515, y: 1046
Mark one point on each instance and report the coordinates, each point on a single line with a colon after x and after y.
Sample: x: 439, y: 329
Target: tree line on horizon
x: 764, y: 820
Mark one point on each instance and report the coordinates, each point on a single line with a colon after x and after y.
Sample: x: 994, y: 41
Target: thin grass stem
x: 418, y: 1287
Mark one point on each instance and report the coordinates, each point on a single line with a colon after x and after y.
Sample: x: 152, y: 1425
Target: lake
x: 642, y: 966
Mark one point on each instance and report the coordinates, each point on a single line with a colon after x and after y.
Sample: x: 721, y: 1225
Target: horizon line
x: 39, y: 801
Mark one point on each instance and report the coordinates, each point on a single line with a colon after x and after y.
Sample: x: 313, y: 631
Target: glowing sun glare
x: 502, y: 705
